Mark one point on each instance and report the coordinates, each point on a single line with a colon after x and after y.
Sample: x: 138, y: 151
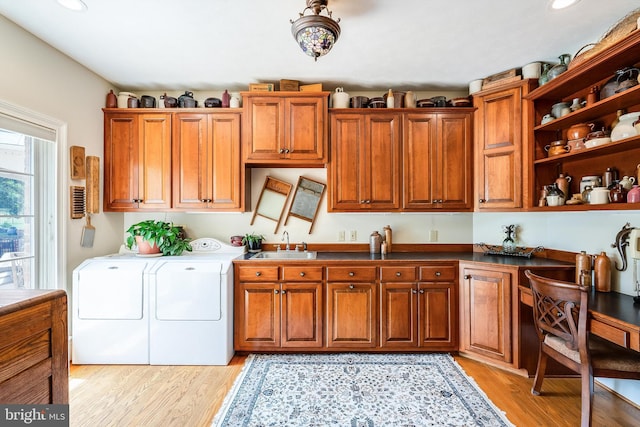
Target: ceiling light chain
x: 316, y: 34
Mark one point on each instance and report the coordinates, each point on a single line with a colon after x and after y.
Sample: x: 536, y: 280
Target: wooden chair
x: 560, y: 313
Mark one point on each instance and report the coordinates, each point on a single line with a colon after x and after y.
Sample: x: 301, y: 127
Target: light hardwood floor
x: 189, y: 396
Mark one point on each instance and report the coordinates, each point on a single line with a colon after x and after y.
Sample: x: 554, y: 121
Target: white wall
x: 39, y: 78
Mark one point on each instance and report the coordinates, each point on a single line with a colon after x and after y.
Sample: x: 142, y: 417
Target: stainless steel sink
x: 285, y: 255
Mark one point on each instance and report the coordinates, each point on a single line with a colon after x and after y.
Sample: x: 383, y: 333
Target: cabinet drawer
x: 437, y: 272
x: 351, y: 274
x: 258, y: 273
x: 302, y: 273
x: 398, y: 274
x: 611, y: 333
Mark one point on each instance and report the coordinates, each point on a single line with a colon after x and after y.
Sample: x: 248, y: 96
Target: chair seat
x: 604, y: 354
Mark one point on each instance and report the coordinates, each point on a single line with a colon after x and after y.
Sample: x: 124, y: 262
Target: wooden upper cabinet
x: 366, y: 161
x: 285, y: 128
x: 437, y: 161
x: 137, y: 158
x: 502, y: 129
x: 206, y: 154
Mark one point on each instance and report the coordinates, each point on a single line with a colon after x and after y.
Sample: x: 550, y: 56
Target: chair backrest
x: 560, y: 309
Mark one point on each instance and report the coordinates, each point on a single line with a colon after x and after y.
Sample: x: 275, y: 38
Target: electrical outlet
x: 353, y: 235
x: 341, y: 236
x: 433, y: 235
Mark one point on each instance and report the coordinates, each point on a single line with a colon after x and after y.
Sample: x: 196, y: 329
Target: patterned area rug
x: 356, y: 390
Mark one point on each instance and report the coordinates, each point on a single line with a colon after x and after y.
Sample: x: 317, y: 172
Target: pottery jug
x: 112, y: 100
x: 340, y: 98
x: 557, y: 147
x: 609, y: 177
x: 562, y: 182
x: 226, y: 99
x: 633, y: 195
x: 544, y: 74
x: 586, y: 194
x: 617, y: 194
x: 602, y: 272
x: 583, y: 266
x: 579, y: 130
x: 560, y: 68
x: 625, y: 128
x: 627, y: 182
x: 409, y: 99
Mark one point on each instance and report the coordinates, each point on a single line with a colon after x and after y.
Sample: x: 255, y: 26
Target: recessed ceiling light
x: 561, y: 4
x: 77, y: 5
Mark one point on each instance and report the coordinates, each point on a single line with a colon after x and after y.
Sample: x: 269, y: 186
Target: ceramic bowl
x: 558, y: 109
x: 590, y: 143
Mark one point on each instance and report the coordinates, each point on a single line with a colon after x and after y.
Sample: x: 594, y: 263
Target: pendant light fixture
x: 315, y: 33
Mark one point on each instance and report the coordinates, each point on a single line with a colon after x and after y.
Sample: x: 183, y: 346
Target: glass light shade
x: 315, y: 34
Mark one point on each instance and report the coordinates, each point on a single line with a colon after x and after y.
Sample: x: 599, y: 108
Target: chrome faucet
x: 286, y: 233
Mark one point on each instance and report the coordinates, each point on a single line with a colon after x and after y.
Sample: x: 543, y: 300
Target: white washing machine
x: 170, y: 310
x: 191, y: 311
x: 110, y: 321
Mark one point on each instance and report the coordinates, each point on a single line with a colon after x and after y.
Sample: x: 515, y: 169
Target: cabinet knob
x: 481, y: 201
x: 398, y: 274
x: 351, y: 274
x: 258, y: 273
x: 275, y: 291
x: 438, y: 274
x: 413, y: 291
x: 284, y: 292
x: 302, y: 274
x: 286, y: 150
x: 467, y: 276
x: 281, y: 151
x: 434, y: 201
x: 422, y: 291
x: 351, y: 286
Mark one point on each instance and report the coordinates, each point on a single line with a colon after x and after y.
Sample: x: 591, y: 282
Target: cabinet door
x: 486, y: 313
x: 154, y: 161
x: 419, y: 133
x: 380, y: 167
x: 437, y: 316
x: 206, y: 156
x: 191, y: 159
x: 137, y: 151
x: 306, y: 132
x: 120, y: 161
x: 398, y: 315
x: 452, y: 176
x: 257, y: 316
x: 302, y: 315
x: 347, y: 146
x: 498, y: 164
x: 351, y: 315
x: 265, y: 125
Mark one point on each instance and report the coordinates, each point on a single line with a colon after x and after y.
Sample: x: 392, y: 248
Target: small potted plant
x: 253, y: 241
x: 153, y: 236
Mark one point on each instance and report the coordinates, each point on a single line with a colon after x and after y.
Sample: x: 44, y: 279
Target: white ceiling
x: 227, y: 44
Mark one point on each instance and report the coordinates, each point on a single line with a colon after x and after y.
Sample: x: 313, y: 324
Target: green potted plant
x: 253, y: 241
x: 158, y: 237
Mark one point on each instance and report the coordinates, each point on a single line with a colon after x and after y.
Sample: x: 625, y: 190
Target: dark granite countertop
x: 323, y: 257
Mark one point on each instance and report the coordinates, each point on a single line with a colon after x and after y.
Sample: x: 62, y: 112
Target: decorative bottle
x: 602, y: 272
x: 388, y: 237
x: 583, y: 268
x: 112, y: 100
x: 375, y: 242
x: 390, y: 99
x: 226, y: 99
x: 544, y: 75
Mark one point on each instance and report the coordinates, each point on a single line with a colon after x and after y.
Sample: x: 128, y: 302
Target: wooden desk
x: 34, y: 367
x: 613, y: 316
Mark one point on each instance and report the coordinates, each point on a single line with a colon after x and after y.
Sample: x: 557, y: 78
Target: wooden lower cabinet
x: 34, y: 364
x: 418, y: 314
x: 486, y: 313
x: 352, y: 315
x: 282, y: 314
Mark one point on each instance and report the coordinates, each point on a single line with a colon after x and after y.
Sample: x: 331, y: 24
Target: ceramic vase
x: 602, y: 272
x: 583, y: 266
